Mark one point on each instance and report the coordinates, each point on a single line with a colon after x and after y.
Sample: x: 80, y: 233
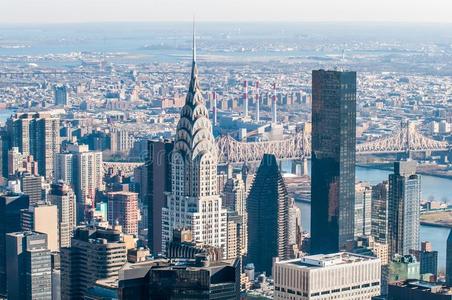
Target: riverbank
x: 430, y: 170
x: 441, y: 218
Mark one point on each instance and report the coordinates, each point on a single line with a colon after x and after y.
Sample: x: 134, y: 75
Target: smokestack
x: 258, y: 117
x: 245, y: 100
x: 214, y: 108
x: 274, y: 118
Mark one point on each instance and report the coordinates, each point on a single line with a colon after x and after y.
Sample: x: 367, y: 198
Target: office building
x: 32, y: 186
x: 10, y: 206
x: 28, y: 268
x: 123, y: 210
x: 195, y: 279
x: 404, y: 268
x: 234, y: 200
x: 194, y: 202
x: 60, y: 95
x: 121, y: 141
x: 63, y: 197
x: 159, y: 182
x: 19, y: 164
x: 380, y: 212
x: 4, y: 147
x: 183, y: 247
x: 94, y: 254
x: 36, y: 134
x: 64, y: 168
x: 427, y: 258
x: 449, y: 260
x: 418, y: 290
x: 363, y: 209
x: 83, y: 169
x: 236, y: 246
x: 268, y: 217
x: 332, y: 276
x: 404, y: 208
x: 42, y: 217
x: 333, y: 160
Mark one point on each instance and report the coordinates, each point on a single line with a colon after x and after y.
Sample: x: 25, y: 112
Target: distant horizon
x: 370, y: 22
x: 88, y: 11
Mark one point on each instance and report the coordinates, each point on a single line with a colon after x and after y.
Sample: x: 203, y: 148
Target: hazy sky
x: 18, y: 11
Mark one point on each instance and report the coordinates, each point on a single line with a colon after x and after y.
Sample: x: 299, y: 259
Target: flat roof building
x: 340, y: 275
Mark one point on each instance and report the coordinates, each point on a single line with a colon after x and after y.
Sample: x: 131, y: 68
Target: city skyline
x: 132, y: 168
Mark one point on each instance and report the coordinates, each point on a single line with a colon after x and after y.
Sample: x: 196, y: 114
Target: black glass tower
x: 268, y: 217
x: 333, y: 159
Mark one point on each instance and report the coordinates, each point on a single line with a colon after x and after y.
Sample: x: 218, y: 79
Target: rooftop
x: 328, y: 260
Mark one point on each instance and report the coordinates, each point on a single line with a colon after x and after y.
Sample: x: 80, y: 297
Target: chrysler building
x: 194, y: 202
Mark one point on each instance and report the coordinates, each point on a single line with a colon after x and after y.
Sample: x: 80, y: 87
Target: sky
x: 75, y: 11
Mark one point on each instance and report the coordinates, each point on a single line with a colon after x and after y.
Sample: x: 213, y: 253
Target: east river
x: 433, y: 188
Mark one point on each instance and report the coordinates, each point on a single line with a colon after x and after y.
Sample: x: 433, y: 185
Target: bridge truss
x: 405, y: 139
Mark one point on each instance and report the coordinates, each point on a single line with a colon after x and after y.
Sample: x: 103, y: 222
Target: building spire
x: 194, y: 92
x: 194, y: 40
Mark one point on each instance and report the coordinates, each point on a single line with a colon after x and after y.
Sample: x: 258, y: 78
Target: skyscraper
x: 83, y: 169
x: 28, y: 268
x: 10, y: 207
x: 32, y: 186
x: 123, y: 210
x: 194, y: 202
x: 36, y: 134
x: 404, y: 208
x: 333, y: 160
x: 380, y: 212
x: 42, y: 217
x: 268, y: 217
x: 234, y: 200
x: 60, y: 95
x: 363, y: 209
x: 62, y: 195
x: 159, y: 182
x: 427, y: 258
x: 449, y: 260
x: 94, y: 254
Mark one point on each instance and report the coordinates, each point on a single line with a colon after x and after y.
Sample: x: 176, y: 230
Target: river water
x: 433, y: 188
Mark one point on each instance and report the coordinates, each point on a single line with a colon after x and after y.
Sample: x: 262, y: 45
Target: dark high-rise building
x: 449, y: 260
x: 10, y: 207
x: 333, y: 160
x: 427, y: 258
x: 164, y: 280
x: 404, y: 208
x: 159, y: 182
x: 28, y: 268
x: 4, y: 146
x: 268, y: 216
x: 61, y: 95
x: 380, y: 212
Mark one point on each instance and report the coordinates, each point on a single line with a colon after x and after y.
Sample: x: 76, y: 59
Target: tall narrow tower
x: 194, y: 202
x: 268, y: 217
x: 274, y: 115
x: 245, y: 100
x: 258, y: 117
x: 214, y: 108
x: 333, y: 160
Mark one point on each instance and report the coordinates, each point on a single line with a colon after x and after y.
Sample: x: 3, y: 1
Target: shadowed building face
x: 333, y: 159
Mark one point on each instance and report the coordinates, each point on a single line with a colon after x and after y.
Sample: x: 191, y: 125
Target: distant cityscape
x: 225, y: 161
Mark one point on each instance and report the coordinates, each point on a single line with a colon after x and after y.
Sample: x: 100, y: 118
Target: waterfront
x: 436, y: 188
